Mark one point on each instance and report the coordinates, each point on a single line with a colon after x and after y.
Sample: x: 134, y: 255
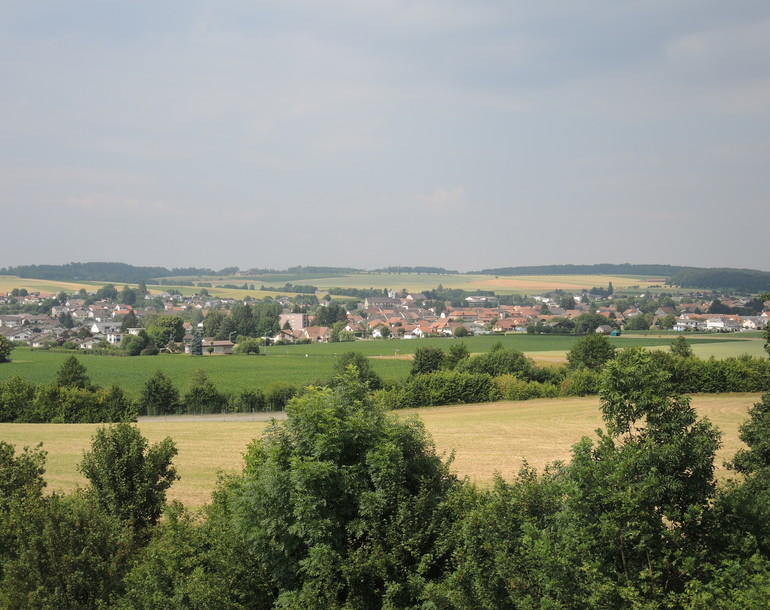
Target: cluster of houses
x: 403, y: 316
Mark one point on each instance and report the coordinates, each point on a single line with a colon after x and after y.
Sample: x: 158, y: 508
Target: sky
x: 452, y: 133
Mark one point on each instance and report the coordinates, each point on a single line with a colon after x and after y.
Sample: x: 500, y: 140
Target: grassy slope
x: 485, y: 438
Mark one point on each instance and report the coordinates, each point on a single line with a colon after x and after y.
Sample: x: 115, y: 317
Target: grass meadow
x: 307, y: 364
x: 485, y: 439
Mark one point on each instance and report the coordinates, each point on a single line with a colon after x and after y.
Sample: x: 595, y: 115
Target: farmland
x: 414, y: 282
x: 306, y: 364
x: 485, y: 439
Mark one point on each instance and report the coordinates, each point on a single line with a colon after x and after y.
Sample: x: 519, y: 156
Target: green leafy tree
x: 247, y: 346
x: 130, y: 320
x: 159, y: 396
x: 127, y: 477
x: 165, y: 329
x: 330, y: 314
x: 362, y: 370
x: 72, y: 374
x: 6, y: 347
x: 70, y: 555
x: 639, y: 322
x: 134, y: 344
x: 344, y: 503
x: 457, y: 352
x: 499, y: 361
x: 108, y: 291
x: 591, y: 352
x: 461, y: 331
x: 427, y: 360
x: 203, y: 396
x: 16, y: 400
x: 681, y: 347
x: 587, y: 323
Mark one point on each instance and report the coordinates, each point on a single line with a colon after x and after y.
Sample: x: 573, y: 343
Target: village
x: 85, y: 322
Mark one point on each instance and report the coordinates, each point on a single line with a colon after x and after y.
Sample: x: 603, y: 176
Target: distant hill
x: 99, y: 272
x: 736, y: 280
x: 599, y: 269
x: 726, y: 279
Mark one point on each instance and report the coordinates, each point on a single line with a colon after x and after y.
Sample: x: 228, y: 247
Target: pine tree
x: 196, y: 345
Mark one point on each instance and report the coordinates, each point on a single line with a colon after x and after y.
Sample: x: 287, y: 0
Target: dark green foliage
x: 680, y: 347
x: 69, y: 554
x: 72, y: 374
x: 134, y: 344
x: 22, y: 475
x: 196, y: 345
x: 159, y: 396
x: 278, y: 394
x: 247, y: 346
x: 203, y: 396
x: 197, y: 563
x: 327, y: 316
x: 457, y: 353
x: 130, y: 320
x: 439, y: 388
x: 127, y: 478
x: 590, y: 352
x: 756, y: 434
x: 344, y: 504
x: 6, y: 347
x: 249, y: 401
x: 363, y: 370
x: 166, y: 329
x: 427, y: 360
x: 587, y: 323
x: 16, y: 396
x: 499, y: 362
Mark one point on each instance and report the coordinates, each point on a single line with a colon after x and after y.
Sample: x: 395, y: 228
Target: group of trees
x: 346, y: 505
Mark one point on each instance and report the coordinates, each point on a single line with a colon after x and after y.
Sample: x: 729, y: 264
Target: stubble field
x: 485, y: 439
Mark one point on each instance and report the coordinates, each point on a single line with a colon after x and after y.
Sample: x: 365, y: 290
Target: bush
x: 249, y: 401
x: 511, y: 387
x: 447, y: 388
x: 278, y: 394
x: 581, y: 382
x: 249, y: 346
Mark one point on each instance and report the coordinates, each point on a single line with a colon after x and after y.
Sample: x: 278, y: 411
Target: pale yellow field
x: 485, y: 438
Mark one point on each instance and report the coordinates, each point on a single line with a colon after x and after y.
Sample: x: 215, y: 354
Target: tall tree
x: 6, y: 347
x: 127, y: 477
x: 72, y: 374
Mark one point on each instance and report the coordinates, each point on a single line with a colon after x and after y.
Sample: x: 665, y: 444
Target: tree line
x: 436, y: 378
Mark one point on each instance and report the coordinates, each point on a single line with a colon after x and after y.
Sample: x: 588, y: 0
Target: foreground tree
x: 127, y: 478
x: 344, y: 503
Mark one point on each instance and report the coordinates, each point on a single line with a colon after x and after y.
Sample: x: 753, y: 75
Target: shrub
x: 581, y: 382
x: 278, y: 394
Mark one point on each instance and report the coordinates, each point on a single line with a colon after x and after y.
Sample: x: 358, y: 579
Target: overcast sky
x: 462, y: 134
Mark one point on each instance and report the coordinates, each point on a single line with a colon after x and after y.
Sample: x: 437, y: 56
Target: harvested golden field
x: 486, y: 438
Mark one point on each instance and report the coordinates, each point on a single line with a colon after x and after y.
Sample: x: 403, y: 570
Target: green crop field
x: 306, y: 364
x: 485, y: 439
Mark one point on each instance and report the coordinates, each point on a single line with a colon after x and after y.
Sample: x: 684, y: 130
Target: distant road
x: 210, y: 417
